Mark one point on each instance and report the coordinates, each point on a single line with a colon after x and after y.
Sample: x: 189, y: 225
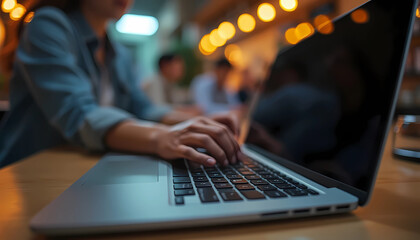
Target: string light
x: 266, y: 12
x: 226, y: 30
x: 246, y: 23
x: 288, y: 5
x: 417, y: 13
x: 216, y: 39
x: 290, y: 36
x: 206, y: 44
x: 323, y: 24
x: 29, y: 17
x: 17, y: 12
x: 360, y: 16
x: 304, y: 30
x: 8, y: 5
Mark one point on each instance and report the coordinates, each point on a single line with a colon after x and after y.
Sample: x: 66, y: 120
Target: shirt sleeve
x: 47, y: 58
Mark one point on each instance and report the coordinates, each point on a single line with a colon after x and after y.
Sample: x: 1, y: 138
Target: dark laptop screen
x: 326, y: 103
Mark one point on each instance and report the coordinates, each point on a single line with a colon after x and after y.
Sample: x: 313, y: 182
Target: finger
x: 229, y: 133
x: 228, y: 120
x: 222, y: 136
x: 207, y: 142
x: 190, y: 154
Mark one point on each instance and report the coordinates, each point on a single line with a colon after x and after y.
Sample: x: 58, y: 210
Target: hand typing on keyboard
x: 218, y: 139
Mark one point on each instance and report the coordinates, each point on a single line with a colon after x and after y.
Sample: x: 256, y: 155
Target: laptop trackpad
x: 121, y: 169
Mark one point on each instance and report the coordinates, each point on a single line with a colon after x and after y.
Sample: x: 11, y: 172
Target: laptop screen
x: 326, y: 103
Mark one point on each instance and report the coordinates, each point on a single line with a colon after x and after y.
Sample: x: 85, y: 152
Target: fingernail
x: 211, y: 161
x: 226, y: 162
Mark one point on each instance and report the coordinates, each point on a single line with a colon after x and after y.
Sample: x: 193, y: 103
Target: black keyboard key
x: 200, y: 179
x: 275, y: 194
x: 301, y: 186
x: 177, y: 172
x: 247, y: 173
x: 266, y: 187
x: 184, y: 192
x: 179, y: 200
x: 252, y: 194
x: 233, y: 176
x: 296, y: 192
x: 252, y: 177
x: 244, y: 187
x: 219, y: 180
x: 207, y: 195
x: 284, y: 186
x: 263, y: 172
x: 194, y: 170
x: 229, y: 195
x: 257, y: 169
x: 230, y: 172
x: 294, y: 182
x: 202, y: 184
x: 182, y: 186
x: 215, y: 175
x: 182, y: 180
x: 259, y: 182
x: 238, y: 181
x: 276, y: 180
x: 210, y: 169
x: 312, y: 192
x: 222, y: 185
x: 268, y: 176
x: 198, y: 174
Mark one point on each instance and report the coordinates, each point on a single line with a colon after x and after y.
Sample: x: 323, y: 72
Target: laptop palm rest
x: 124, y: 170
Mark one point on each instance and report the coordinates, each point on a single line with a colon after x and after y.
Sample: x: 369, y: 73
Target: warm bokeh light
x: 323, y: 24
x: 226, y: 30
x: 360, y: 16
x: 8, y: 5
x: 216, y: 39
x: 29, y: 17
x: 290, y: 36
x: 17, y: 12
x: 304, y: 30
x: 266, y: 12
x: 206, y: 44
x: 288, y: 5
x: 204, y: 52
x: 2, y: 33
x: 233, y: 54
x: 417, y: 13
x: 246, y: 22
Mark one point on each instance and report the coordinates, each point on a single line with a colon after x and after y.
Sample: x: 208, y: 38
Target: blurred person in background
x: 209, y: 90
x: 72, y: 84
x: 162, y: 88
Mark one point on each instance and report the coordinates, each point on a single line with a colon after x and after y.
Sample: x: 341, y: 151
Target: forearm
x: 132, y: 136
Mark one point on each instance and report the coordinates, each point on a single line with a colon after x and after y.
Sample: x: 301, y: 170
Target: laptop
x: 316, y: 134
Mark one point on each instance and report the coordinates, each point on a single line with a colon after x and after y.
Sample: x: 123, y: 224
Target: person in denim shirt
x: 71, y: 83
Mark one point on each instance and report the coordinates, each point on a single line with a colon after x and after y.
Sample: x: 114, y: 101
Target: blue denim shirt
x: 54, y: 88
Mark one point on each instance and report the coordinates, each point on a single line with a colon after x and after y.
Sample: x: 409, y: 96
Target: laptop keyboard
x: 247, y: 179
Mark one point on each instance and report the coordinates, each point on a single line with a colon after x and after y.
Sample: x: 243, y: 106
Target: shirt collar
x: 87, y: 33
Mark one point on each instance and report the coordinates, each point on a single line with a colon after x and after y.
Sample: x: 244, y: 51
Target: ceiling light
x: 137, y: 24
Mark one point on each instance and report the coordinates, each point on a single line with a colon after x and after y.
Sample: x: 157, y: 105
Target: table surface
x: 393, y: 213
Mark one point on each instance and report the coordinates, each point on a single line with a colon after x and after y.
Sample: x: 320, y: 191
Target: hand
x: 181, y: 140
x: 229, y: 119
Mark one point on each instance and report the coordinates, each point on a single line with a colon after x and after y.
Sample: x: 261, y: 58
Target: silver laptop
x: 316, y: 135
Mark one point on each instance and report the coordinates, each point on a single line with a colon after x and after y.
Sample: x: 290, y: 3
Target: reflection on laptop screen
x: 327, y: 100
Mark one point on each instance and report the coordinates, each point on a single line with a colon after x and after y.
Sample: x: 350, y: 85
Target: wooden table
x: 393, y: 213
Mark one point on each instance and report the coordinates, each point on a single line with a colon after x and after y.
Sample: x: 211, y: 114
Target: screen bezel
x: 363, y: 196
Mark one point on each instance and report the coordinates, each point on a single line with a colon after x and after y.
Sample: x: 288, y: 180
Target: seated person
x: 72, y: 84
x: 209, y: 91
